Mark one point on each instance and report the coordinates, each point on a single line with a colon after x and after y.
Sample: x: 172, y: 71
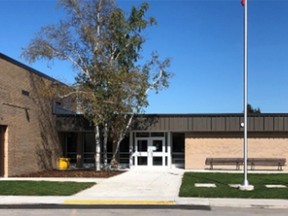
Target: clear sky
x: 204, y: 39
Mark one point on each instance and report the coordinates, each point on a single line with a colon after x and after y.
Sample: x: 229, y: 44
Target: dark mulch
x: 73, y: 173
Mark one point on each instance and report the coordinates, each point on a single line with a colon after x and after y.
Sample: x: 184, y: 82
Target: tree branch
x: 71, y: 93
x: 151, y: 86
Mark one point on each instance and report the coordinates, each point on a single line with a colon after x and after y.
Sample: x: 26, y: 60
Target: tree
x: 104, y: 46
x: 250, y: 109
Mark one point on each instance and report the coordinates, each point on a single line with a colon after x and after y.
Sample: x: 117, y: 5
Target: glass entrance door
x: 142, y: 152
x: 150, y: 152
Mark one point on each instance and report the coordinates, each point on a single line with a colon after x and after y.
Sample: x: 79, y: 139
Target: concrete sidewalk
x: 135, y: 187
x: 150, y: 184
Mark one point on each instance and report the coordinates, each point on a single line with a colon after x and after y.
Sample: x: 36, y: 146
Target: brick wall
x: 199, y: 146
x: 31, y: 142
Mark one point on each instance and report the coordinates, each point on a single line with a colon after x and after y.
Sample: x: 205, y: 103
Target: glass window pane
x: 166, y: 142
x: 142, y: 145
x: 142, y: 134
x: 178, y: 146
x: 89, y: 142
x: 158, y: 144
x: 124, y: 146
x: 142, y: 161
x: 157, y: 134
x: 89, y: 158
x: 71, y: 142
x: 157, y: 161
x: 178, y: 142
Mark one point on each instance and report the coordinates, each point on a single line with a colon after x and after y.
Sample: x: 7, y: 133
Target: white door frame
x: 151, y: 152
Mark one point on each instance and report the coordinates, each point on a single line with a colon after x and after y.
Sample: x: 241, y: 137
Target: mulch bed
x: 73, y: 173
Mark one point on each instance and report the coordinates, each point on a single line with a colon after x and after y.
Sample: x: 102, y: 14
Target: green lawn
x: 222, y: 181
x: 41, y: 188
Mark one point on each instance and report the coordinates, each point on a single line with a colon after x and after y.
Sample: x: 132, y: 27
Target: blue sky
x: 203, y: 38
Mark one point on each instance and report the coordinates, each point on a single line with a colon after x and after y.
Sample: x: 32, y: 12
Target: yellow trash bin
x: 63, y: 163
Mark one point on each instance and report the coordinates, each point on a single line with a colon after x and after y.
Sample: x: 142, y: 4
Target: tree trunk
x: 97, y: 148
x: 121, y: 137
x: 105, y: 141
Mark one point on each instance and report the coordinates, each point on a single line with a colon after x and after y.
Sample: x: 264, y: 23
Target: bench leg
x: 237, y: 166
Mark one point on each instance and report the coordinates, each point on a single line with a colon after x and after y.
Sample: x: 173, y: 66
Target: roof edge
x: 213, y: 114
x: 203, y: 115
x: 30, y: 69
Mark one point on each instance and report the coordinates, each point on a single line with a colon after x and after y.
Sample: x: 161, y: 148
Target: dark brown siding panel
x: 163, y: 124
x: 156, y: 124
x: 167, y: 124
x: 286, y: 123
x: 233, y: 124
x: 279, y: 124
x: 178, y: 124
x: 202, y: 124
x: 258, y: 123
x: 268, y: 124
x: 218, y: 123
x: 251, y: 124
x: 159, y: 125
x: 190, y: 123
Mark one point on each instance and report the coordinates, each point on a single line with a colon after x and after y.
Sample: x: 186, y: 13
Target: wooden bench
x: 279, y: 162
x: 224, y: 161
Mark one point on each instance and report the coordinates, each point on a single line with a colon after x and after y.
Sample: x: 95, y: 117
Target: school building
x: 36, y: 130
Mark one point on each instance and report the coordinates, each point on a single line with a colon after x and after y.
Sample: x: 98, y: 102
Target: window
x: 71, y: 147
x: 89, y: 147
x: 156, y: 134
x: 178, y: 149
x: 25, y: 93
x: 178, y: 140
x: 142, y: 134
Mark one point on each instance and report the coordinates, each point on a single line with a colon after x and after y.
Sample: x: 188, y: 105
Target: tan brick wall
x: 32, y: 141
x: 199, y: 146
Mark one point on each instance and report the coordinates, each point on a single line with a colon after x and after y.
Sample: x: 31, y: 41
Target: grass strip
x: 42, y: 188
x: 223, y: 190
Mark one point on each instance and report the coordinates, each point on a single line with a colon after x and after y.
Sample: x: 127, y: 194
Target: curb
x: 119, y: 202
x: 190, y: 203
x: 249, y: 203
x: 235, y: 202
x: 103, y: 206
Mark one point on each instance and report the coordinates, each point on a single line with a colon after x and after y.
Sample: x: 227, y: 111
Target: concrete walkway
x: 135, y: 187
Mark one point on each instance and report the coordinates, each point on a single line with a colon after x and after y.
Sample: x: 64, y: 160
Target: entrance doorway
x: 151, y: 151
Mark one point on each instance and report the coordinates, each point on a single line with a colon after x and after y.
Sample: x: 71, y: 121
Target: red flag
x: 243, y: 2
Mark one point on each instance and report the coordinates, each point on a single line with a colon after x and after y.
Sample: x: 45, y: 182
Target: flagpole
x: 245, y: 182
x: 245, y: 185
